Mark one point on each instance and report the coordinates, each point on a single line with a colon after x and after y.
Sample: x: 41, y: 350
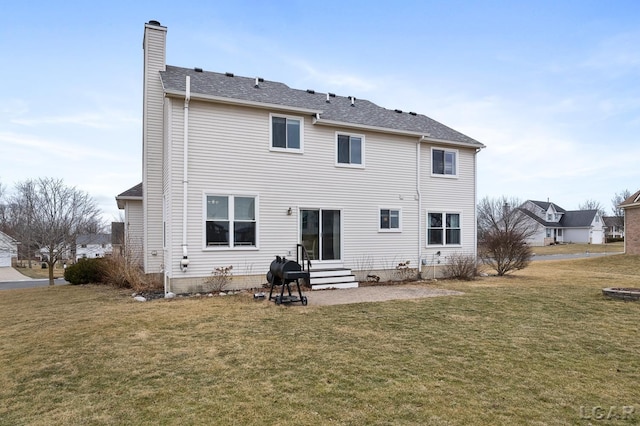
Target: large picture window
x: 230, y: 221
x: 350, y: 150
x: 443, y: 229
x: 444, y: 162
x: 286, y: 133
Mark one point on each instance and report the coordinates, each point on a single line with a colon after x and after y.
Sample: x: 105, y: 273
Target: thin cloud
x: 103, y: 120
x: 53, y: 148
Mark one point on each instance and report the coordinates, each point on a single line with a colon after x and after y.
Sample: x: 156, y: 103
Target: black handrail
x: 301, y: 252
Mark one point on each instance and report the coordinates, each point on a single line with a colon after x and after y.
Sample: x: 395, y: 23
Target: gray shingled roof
x: 337, y: 109
x: 135, y: 191
x: 544, y: 205
x: 93, y: 239
x: 578, y: 218
x: 570, y: 219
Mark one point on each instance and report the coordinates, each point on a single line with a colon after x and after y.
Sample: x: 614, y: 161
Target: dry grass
x: 37, y: 272
x: 528, y: 349
x: 617, y: 247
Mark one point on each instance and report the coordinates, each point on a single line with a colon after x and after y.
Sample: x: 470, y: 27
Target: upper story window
x: 444, y: 162
x: 350, y: 150
x: 443, y: 229
x: 390, y: 220
x: 286, y: 133
x: 549, y: 217
x: 230, y: 221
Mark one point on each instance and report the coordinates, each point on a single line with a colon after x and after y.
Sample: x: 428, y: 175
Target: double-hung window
x: 390, y: 220
x: 350, y: 150
x: 286, y: 133
x: 231, y: 221
x: 444, y: 162
x: 443, y: 229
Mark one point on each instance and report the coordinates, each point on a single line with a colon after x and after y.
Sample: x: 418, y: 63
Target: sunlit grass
x: 527, y: 349
x: 617, y: 247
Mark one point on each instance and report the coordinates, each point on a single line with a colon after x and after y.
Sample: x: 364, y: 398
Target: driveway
x: 10, y: 274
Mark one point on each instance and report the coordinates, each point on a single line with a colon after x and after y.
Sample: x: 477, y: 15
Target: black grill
x: 283, y: 272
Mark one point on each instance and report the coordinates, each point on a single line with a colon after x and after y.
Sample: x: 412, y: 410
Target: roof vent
x: 311, y: 91
x: 399, y: 111
x: 353, y: 100
x: 333, y: 95
x: 261, y: 80
x: 328, y: 101
x: 152, y: 22
x: 412, y: 113
x: 228, y: 74
x: 257, y: 81
x: 196, y: 69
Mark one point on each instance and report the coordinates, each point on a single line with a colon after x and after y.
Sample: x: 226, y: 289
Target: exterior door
x: 320, y: 232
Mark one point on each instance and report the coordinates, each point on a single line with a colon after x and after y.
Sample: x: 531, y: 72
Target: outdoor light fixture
x: 289, y: 212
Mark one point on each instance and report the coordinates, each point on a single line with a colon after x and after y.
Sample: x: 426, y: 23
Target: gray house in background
x: 555, y: 225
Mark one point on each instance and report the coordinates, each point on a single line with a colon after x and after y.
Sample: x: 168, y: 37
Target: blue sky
x: 550, y: 87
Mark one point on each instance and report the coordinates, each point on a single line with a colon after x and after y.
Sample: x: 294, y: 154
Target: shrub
x: 121, y: 271
x: 85, y: 271
x: 219, y: 279
x: 461, y: 266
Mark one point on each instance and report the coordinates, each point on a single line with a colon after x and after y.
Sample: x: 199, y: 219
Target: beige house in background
x: 237, y: 170
x: 631, y: 207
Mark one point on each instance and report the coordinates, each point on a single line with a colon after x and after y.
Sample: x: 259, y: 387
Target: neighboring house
x: 631, y: 207
x: 614, y: 227
x: 238, y: 170
x: 555, y: 225
x: 131, y: 202
x: 93, y: 245
x: 8, y: 250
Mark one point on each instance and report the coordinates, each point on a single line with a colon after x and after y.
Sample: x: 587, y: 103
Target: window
x: 390, y: 220
x: 350, y: 150
x: 286, y: 133
x: 444, y: 162
x: 548, y: 233
x: 443, y: 229
x: 549, y: 217
x: 230, y: 221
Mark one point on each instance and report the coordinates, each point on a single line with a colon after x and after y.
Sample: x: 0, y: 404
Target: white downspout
x: 419, y: 193
x: 185, y: 177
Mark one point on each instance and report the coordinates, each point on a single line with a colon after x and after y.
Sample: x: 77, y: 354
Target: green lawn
x: 541, y: 347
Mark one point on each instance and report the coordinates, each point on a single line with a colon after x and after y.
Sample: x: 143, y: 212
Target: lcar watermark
x: 612, y: 412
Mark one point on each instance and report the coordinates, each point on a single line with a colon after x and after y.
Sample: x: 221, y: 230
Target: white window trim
x: 230, y: 247
x: 362, y: 150
x: 392, y: 230
x: 291, y: 150
x: 453, y: 176
x: 444, y: 229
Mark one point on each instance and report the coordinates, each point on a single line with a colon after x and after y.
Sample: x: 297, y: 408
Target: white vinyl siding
x: 153, y: 114
x: 222, y: 163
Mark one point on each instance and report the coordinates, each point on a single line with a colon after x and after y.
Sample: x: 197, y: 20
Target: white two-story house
x: 237, y: 170
x: 555, y: 225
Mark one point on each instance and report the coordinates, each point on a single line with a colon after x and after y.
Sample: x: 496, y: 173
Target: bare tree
x: 52, y: 215
x: 503, y: 230
x: 592, y: 205
x: 617, y: 200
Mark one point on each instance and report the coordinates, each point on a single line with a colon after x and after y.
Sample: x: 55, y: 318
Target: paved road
x: 10, y: 279
x: 29, y: 283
